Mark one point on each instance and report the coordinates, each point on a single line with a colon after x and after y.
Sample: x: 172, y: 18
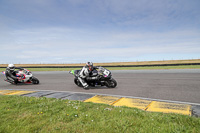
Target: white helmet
x: 12, y: 67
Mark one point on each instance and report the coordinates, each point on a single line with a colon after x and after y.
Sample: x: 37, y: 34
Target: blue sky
x: 76, y: 31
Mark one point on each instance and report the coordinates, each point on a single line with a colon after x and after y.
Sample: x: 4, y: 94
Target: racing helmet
x: 89, y: 65
x: 11, y: 67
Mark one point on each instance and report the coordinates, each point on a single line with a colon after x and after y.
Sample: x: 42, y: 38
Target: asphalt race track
x: 174, y: 85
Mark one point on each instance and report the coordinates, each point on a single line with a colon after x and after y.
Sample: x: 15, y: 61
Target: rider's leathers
x: 11, y: 75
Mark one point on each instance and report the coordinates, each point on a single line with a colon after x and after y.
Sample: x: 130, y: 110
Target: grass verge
x: 31, y: 114
x: 119, y: 68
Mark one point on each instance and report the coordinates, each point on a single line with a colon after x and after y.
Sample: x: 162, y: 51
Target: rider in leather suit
x: 86, y: 73
x: 11, y: 73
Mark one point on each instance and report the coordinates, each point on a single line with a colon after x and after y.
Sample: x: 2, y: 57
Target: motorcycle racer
x: 11, y: 73
x: 86, y: 73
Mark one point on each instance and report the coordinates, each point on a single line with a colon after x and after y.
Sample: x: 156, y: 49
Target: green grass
x: 119, y: 68
x: 29, y: 114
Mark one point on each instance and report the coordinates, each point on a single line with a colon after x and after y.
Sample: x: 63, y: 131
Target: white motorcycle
x: 24, y: 76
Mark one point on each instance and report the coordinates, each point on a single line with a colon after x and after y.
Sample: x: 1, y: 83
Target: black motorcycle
x: 105, y: 78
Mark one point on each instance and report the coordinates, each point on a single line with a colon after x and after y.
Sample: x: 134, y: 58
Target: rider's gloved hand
x: 98, y: 77
x: 19, y: 78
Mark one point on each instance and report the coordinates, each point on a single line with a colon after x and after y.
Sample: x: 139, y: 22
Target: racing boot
x: 86, y: 87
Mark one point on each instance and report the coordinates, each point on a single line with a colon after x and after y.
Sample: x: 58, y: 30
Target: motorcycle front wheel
x: 77, y: 82
x: 112, y: 83
x: 35, y: 80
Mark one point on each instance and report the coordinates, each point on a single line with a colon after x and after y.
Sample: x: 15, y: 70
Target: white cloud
x: 68, y: 42
x: 99, y: 30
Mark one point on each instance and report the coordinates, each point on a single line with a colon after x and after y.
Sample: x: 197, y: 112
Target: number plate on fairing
x: 106, y: 72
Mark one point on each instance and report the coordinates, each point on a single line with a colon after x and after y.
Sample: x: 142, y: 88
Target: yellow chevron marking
x: 130, y: 102
x: 20, y: 92
x: 102, y: 99
x: 170, y: 108
x: 5, y: 92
